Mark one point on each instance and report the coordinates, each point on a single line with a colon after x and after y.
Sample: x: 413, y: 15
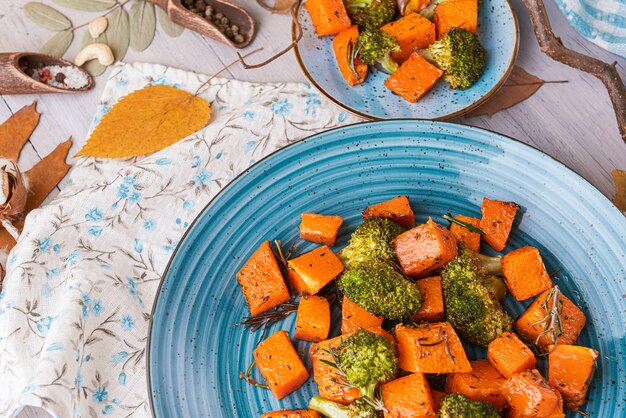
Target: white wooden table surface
x: 573, y: 122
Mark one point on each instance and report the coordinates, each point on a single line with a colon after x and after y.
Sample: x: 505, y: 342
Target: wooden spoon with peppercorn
x: 218, y: 19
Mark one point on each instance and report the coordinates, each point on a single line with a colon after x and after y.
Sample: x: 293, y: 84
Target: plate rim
x: 445, y: 117
x: 200, y: 214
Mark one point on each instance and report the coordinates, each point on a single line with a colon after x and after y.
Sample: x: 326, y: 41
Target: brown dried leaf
x: 518, y: 87
x: 619, y: 176
x: 16, y: 130
x: 46, y: 174
x: 280, y: 6
x: 147, y: 121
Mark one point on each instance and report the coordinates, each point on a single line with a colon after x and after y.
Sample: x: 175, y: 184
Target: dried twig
x: 551, y: 45
x: 269, y: 318
x: 248, y: 377
x: 295, y: 12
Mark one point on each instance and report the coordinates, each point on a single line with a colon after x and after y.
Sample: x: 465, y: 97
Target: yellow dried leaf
x: 620, y: 189
x: 147, y: 121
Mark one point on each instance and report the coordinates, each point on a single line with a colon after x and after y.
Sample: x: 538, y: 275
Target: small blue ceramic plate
x: 498, y: 32
x: 195, y: 352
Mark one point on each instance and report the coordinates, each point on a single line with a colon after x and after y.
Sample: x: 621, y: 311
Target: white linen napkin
x: 80, y: 284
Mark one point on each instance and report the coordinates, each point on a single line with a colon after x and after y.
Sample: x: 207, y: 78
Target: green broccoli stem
x: 388, y: 64
x: 368, y: 391
x: 490, y: 264
x: 328, y: 408
x: 354, y: 5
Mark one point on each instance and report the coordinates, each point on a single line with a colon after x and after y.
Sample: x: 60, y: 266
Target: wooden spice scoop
x: 14, y: 81
x: 239, y: 16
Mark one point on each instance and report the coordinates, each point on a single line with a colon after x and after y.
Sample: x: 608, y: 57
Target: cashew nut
x: 98, y: 26
x: 101, y: 52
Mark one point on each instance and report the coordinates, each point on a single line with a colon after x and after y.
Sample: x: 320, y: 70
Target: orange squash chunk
x: 529, y: 323
x: 321, y: 229
x: 437, y: 395
x: 432, y: 306
x: 509, y: 355
x: 340, y: 47
x: 524, y: 273
x: 462, y: 234
x: 570, y: 369
x: 409, y: 397
x: 414, y: 78
x: 327, y: 377
x: 280, y: 364
x: 294, y: 413
x: 456, y: 14
x: 314, y: 270
x: 425, y: 248
x: 412, y: 32
x: 397, y: 209
x: 497, y: 221
x: 354, y: 318
x: 329, y: 17
x: 431, y: 348
x: 483, y: 383
x: 261, y: 281
x: 313, y: 319
x: 529, y: 395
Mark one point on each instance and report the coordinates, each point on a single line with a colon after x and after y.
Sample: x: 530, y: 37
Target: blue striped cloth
x: 603, y: 22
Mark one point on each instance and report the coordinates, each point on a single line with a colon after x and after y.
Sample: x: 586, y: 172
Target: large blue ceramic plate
x: 195, y: 352
x: 497, y: 29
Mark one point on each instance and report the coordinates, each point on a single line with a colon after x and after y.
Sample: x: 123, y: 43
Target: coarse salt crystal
x: 74, y: 77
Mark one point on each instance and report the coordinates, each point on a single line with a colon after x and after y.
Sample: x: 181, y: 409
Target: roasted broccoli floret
x: 470, y: 294
x: 370, y: 14
x: 359, y: 408
x: 460, y: 406
x: 381, y: 290
x: 460, y: 55
x: 375, y: 46
x: 371, y: 241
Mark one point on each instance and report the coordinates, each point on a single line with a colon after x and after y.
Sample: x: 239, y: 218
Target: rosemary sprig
x: 397, y: 267
x: 471, y: 227
x: 443, y: 340
x: 269, y: 318
x: 248, y: 377
x: 352, y: 53
x: 552, y: 325
x: 283, y: 260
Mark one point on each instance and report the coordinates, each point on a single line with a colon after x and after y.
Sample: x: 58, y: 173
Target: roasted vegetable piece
x: 350, y: 65
x: 483, y: 383
x: 314, y: 270
x: 371, y: 241
x: 408, y: 396
x: 497, y: 221
x: 370, y: 14
x: 367, y: 360
x: 261, y: 281
x: 471, y: 306
x: 293, y: 413
x: 327, y: 377
x: 464, y: 235
x: 456, y: 14
x: 425, y: 248
x: 354, y: 318
x: 570, y: 369
x: 329, y: 17
x: 432, y: 307
x: 414, y: 78
x: 321, y: 229
x: 407, y: 7
x: 381, y: 290
x: 509, y: 355
x: 397, y: 209
x: 412, y: 32
x: 460, y: 55
x: 375, y: 47
x: 524, y: 273
x: 460, y: 406
x: 280, y: 364
x: 431, y: 348
x: 313, y: 319
x: 437, y: 397
x: 529, y: 395
x: 360, y: 408
x: 543, y: 320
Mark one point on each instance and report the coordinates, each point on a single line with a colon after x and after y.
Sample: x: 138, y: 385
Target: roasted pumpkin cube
x: 414, y: 78
x: 509, y: 355
x: 408, y: 396
x: 354, y: 318
x: 570, y: 369
x: 313, y: 319
x: 328, y: 377
x: 397, y: 209
x: 524, y: 273
x: 329, y: 17
x: 456, y: 14
x: 292, y: 413
x: 432, y: 306
x: 497, y: 221
x: 412, y: 32
x: 310, y: 272
x: 464, y: 235
x: 321, y: 229
x: 529, y: 395
x: 483, y: 383
x: 354, y: 73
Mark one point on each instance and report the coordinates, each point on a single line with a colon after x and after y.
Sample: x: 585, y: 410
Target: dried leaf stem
x: 551, y: 45
x: 226, y: 67
x: 295, y: 12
